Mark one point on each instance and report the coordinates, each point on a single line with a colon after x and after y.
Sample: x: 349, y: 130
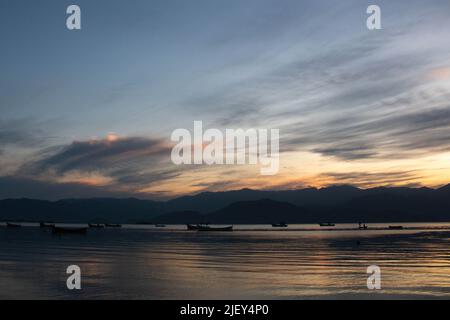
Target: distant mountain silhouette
x: 211, y: 201
x: 80, y: 210
x: 335, y: 204
x: 445, y: 188
x: 263, y: 211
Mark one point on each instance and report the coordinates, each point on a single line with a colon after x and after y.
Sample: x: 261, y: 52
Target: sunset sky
x: 90, y: 112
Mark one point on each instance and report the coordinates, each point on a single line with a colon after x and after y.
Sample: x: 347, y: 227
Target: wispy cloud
x: 342, y: 96
x: 371, y: 179
x: 23, y: 132
x: 115, y: 163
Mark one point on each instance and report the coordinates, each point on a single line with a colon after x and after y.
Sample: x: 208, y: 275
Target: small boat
x: 46, y: 225
x: 69, y: 230
x: 195, y: 227
x: 396, y: 227
x: 192, y: 227
x: 279, y: 225
x: 362, y: 226
x: 208, y: 228
x: 12, y: 225
x: 96, y: 225
x: 327, y: 224
x: 160, y: 225
x: 110, y: 225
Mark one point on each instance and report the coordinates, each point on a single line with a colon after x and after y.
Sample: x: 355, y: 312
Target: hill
x: 337, y: 204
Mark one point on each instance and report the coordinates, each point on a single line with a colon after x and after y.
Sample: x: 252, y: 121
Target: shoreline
x: 170, y: 228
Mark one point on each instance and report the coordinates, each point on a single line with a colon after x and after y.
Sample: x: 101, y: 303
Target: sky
x: 90, y: 112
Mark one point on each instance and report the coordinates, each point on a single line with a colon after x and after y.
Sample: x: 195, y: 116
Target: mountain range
x: 310, y: 205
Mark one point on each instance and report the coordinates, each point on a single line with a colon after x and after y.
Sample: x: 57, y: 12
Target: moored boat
x: 96, y: 225
x: 327, y: 224
x: 279, y: 225
x: 396, y: 227
x: 46, y: 225
x: 192, y: 227
x: 13, y: 225
x: 110, y: 225
x: 362, y: 226
x: 208, y: 228
x: 69, y: 230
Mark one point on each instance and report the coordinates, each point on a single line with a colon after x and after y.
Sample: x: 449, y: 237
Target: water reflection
x: 144, y: 264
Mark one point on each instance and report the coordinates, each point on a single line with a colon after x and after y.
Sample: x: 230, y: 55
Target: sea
x: 251, y: 262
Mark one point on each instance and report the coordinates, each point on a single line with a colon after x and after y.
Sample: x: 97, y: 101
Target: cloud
x: 137, y: 179
x: 385, y: 135
x: 22, y: 132
x: 370, y: 179
x: 117, y: 164
x: 347, y: 152
x: 440, y: 73
x: 360, y: 96
x: 216, y: 186
x: 354, y: 99
x: 330, y: 86
x: 113, y: 154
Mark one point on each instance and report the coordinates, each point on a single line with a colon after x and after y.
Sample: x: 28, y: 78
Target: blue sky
x: 341, y: 95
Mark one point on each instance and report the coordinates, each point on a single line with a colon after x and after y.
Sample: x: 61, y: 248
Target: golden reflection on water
x: 143, y: 264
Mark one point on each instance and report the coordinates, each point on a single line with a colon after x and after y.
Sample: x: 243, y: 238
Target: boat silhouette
x: 110, y: 225
x: 192, y: 227
x: 396, y: 227
x: 279, y: 225
x: 96, y: 225
x: 327, y: 224
x: 12, y: 225
x: 69, y: 230
x: 46, y: 225
x: 208, y: 228
x: 362, y: 226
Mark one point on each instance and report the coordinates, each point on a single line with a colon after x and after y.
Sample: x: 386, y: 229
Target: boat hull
x: 200, y: 228
x: 326, y: 224
x: 62, y: 230
x: 96, y: 226
x: 46, y: 225
x: 13, y: 225
x: 396, y: 227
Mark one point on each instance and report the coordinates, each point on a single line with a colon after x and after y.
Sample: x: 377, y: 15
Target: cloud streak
x: 110, y: 154
x: 126, y: 164
x: 343, y: 97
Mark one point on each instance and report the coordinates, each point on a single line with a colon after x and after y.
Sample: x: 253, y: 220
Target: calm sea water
x: 143, y: 262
